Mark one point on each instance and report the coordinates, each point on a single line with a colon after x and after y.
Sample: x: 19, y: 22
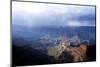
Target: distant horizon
x: 54, y: 26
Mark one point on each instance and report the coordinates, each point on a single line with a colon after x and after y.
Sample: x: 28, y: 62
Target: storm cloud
x: 40, y: 14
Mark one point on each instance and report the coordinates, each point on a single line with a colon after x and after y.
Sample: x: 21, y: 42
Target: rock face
x: 67, y: 53
x: 78, y: 53
x: 56, y: 51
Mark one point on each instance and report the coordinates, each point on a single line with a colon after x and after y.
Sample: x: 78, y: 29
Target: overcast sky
x: 39, y: 14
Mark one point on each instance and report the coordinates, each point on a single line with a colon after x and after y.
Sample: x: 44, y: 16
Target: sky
x: 40, y: 14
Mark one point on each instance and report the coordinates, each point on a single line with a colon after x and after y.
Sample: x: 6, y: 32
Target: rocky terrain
x: 78, y: 53
x: 64, y: 52
x: 52, y: 45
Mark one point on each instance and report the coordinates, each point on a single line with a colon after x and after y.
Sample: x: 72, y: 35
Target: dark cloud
x: 53, y: 15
